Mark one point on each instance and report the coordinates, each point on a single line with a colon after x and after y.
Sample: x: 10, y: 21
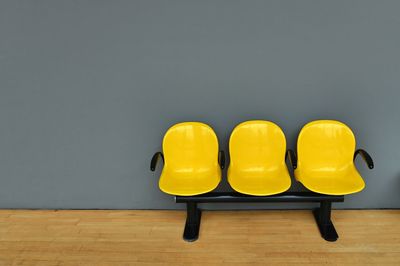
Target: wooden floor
x: 226, y: 237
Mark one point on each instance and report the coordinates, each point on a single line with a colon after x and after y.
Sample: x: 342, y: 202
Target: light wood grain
x: 226, y: 237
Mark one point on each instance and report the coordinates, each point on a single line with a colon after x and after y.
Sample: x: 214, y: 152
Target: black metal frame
x: 322, y: 214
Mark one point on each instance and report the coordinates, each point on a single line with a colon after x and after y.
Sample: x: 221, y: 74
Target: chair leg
x: 192, y: 226
x: 323, y: 218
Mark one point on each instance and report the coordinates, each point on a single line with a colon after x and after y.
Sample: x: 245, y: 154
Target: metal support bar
x: 323, y: 218
x: 238, y: 197
x: 192, y: 226
x: 322, y: 214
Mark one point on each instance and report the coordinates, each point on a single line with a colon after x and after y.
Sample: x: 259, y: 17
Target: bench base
x: 322, y: 214
x: 192, y: 226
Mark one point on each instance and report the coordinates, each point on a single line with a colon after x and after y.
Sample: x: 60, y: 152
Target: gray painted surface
x: 88, y: 88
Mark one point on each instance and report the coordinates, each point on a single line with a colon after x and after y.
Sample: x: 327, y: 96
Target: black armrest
x: 221, y: 159
x: 292, y: 158
x: 154, y: 160
x: 367, y: 158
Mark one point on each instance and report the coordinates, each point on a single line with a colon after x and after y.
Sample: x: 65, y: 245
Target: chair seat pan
x: 339, y: 182
x: 262, y: 182
x: 189, y: 182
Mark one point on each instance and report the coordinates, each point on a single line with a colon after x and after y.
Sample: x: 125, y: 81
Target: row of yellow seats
x: 257, y: 149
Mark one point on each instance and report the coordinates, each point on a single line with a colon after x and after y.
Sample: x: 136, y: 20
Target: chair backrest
x: 257, y: 144
x: 190, y: 145
x: 325, y: 145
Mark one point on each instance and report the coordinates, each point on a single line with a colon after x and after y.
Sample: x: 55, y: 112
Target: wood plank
x: 30, y: 237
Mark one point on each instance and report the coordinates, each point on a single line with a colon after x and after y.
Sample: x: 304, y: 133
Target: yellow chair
x: 190, y: 160
x: 257, y: 153
x: 326, y: 153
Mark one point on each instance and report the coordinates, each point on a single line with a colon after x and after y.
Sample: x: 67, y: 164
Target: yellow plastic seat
x: 326, y: 149
x: 191, y: 160
x: 257, y: 153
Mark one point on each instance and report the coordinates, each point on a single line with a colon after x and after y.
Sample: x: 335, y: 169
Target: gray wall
x: 88, y: 88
